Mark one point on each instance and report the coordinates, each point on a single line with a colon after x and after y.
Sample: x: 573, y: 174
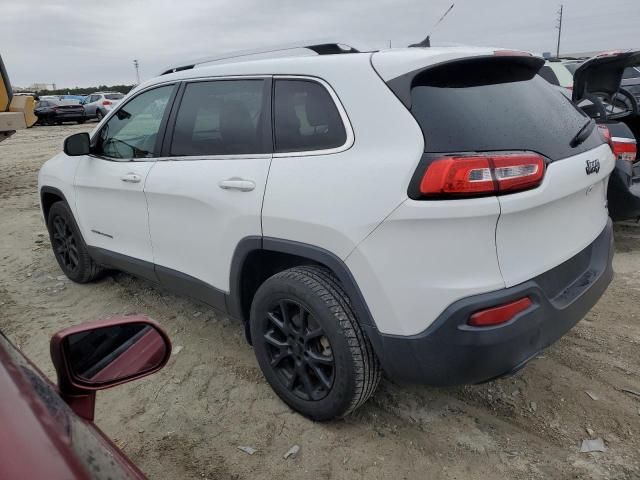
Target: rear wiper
x: 583, y: 133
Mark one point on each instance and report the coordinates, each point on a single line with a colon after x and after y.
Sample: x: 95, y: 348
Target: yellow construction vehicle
x: 16, y: 111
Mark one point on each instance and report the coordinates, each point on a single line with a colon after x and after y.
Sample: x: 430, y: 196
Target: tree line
x: 86, y: 90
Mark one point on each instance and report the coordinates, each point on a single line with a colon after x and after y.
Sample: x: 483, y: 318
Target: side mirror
x: 77, y: 144
x: 103, y: 354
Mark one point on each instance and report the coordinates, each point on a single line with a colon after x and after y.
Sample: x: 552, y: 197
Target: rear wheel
x: 99, y: 115
x: 309, y: 344
x: 68, y: 245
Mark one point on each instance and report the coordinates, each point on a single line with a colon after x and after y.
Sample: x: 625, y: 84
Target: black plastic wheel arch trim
x: 311, y: 252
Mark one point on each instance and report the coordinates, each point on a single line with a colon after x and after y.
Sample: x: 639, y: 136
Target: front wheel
x: 68, y: 245
x: 309, y: 344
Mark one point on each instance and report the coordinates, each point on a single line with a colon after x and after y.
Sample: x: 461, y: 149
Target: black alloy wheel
x: 68, y: 245
x: 64, y: 245
x: 299, y: 350
x: 309, y: 344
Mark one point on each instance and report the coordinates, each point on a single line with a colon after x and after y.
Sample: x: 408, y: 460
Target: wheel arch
x: 49, y: 196
x: 258, y: 258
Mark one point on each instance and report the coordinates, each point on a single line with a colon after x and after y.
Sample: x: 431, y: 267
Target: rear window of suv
x: 495, y: 104
x: 114, y: 96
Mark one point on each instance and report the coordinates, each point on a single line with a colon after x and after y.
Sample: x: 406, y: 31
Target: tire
x: 99, y: 115
x: 324, y: 367
x: 68, y: 245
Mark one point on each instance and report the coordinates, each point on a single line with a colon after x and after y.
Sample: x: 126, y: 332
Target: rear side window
x: 305, y: 117
x: 495, y: 104
x: 223, y: 117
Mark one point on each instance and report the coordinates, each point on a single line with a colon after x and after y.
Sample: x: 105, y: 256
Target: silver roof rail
x: 319, y: 47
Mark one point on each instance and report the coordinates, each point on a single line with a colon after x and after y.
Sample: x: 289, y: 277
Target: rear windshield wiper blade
x: 583, y: 133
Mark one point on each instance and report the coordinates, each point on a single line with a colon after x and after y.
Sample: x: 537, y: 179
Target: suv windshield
x: 495, y: 104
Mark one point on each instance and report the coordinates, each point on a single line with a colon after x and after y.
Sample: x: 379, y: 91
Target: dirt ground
x: 187, y: 421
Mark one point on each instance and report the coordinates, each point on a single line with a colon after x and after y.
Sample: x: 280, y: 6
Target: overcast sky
x: 86, y: 43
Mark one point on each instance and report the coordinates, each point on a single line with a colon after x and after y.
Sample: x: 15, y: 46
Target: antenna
x: 427, y: 41
x: 559, y: 27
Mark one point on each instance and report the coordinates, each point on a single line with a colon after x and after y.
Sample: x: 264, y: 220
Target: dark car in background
x: 598, y: 91
x: 73, y: 98
x: 47, y: 431
x: 631, y: 81
x: 607, y: 88
x: 51, y: 111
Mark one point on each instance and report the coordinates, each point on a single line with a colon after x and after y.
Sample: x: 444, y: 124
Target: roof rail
x: 319, y: 47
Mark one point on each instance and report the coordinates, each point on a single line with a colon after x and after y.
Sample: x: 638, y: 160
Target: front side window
x: 306, y: 117
x: 133, y: 130
x: 222, y: 117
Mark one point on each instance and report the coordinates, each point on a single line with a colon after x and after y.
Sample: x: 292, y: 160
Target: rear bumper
x: 450, y: 352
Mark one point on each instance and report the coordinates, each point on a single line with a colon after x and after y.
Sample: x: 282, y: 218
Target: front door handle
x: 131, y: 178
x: 237, y: 183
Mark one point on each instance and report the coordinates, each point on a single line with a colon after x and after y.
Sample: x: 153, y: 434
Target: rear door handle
x: 237, y: 183
x: 131, y: 178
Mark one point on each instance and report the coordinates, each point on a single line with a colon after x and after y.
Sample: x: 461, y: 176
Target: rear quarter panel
x: 334, y: 201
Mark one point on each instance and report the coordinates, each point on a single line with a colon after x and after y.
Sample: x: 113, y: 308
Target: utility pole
x: 137, y: 67
x: 559, y: 27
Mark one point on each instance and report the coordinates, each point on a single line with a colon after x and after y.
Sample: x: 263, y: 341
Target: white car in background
x: 436, y: 213
x: 98, y: 104
x: 556, y: 73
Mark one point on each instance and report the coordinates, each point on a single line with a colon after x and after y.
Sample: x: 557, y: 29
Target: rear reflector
x: 497, y: 315
x: 624, y: 149
x: 482, y: 174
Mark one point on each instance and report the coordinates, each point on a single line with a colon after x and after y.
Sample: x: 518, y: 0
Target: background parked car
x: 631, y: 81
x: 557, y: 73
x: 597, y: 91
x: 98, y: 104
x: 52, y: 111
x: 73, y: 98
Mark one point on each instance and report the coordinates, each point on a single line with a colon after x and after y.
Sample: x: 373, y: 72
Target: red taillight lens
x: 605, y: 134
x: 106, y: 102
x: 501, y: 314
x: 482, y: 174
x: 624, y: 149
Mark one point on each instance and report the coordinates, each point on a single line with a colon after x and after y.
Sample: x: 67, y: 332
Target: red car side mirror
x: 98, y: 355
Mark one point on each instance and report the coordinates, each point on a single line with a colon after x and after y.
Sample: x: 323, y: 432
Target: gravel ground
x: 187, y: 421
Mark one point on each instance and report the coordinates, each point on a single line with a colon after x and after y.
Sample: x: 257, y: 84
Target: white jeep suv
x: 436, y: 213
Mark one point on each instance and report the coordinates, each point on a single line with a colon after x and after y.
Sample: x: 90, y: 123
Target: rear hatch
x: 112, y: 99
x: 69, y: 108
x: 498, y: 106
x: 603, y: 74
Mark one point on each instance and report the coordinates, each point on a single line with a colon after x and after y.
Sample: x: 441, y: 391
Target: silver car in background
x: 98, y: 104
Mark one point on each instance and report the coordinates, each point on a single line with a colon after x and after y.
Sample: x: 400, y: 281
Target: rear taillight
x: 498, y: 315
x: 475, y: 175
x: 624, y: 149
x: 106, y: 102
